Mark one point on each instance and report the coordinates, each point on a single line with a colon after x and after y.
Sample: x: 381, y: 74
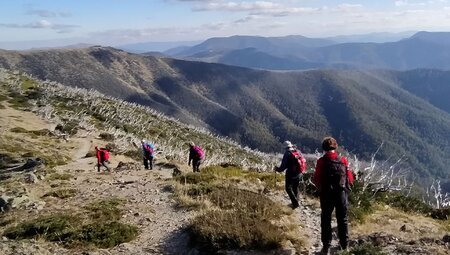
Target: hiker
x: 148, y: 153
x: 196, y: 155
x: 295, y: 165
x: 333, y: 180
x: 102, y: 158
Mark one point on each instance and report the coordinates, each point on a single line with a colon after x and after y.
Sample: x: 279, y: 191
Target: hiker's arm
x: 318, y: 174
x: 190, y: 157
x: 349, y: 172
x: 284, y: 163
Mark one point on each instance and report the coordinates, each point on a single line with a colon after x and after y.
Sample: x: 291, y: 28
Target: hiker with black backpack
x: 102, y: 158
x: 333, y: 180
x: 148, y: 154
x: 295, y: 165
x: 196, y: 155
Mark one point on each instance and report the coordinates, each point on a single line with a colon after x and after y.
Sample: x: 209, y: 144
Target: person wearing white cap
x: 292, y: 162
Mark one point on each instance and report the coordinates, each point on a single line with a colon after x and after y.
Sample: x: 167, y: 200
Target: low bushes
x: 217, y: 229
x: 234, y: 218
x: 98, y: 226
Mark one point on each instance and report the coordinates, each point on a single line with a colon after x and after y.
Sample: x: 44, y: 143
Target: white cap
x: 288, y: 144
x: 143, y: 141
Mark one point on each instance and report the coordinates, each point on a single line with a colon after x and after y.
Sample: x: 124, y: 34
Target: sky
x: 28, y: 23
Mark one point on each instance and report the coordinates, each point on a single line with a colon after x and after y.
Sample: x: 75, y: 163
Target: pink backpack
x: 199, y: 151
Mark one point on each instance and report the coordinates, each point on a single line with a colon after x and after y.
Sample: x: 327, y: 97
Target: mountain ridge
x: 260, y: 108
x: 421, y: 50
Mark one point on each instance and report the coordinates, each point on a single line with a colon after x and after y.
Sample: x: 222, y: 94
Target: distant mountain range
x: 408, y: 111
x: 421, y: 50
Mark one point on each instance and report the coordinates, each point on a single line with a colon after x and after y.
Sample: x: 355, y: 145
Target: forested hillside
x: 421, y: 50
x: 261, y: 108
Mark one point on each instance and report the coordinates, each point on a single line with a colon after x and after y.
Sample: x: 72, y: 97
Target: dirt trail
x: 148, y: 201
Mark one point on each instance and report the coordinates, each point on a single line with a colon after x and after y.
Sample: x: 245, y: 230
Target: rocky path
x: 148, y: 200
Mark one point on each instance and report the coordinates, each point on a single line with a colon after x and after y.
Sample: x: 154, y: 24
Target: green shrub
x: 106, y: 209
x: 201, y: 189
x: 100, y: 227
x: 71, y: 231
x: 70, y: 127
x: 361, y: 203
x: 223, y: 172
x: 252, y: 203
x: 107, y: 235
x: 216, y: 230
x: 363, y: 249
x: 195, y: 178
x: 18, y: 100
x: 57, y: 227
x: 404, y: 203
x: 62, y: 193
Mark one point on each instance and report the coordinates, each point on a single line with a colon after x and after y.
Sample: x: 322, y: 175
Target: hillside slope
x: 64, y: 206
x: 260, y: 108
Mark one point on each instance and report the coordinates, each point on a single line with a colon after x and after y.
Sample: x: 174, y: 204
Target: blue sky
x: 116, y: 22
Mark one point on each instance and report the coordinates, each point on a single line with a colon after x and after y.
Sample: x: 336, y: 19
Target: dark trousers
x: 148, y: 161
x: 196, y: 165
x: 105, y: 164
x: 291, y: 185
x: 329, y: 201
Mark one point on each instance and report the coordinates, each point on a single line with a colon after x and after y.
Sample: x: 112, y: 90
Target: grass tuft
x: 62, y: 193
x: 106, y: 235
x: 363, y: 249
x: 106, y: 209
x: 196, y: 178
x: 217, y: 230
x: 56, y: 227
x: 99, y: 227
x: 59, y: 176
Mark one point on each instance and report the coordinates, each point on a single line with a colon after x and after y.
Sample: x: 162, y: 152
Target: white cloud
x: 237, y: 7
x: 42, y: 24
x: 47, y: 13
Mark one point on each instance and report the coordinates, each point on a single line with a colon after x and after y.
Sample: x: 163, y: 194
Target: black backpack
x: 334, y: 174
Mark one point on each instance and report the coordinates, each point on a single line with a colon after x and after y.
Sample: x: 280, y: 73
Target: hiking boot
x: 325, y: 250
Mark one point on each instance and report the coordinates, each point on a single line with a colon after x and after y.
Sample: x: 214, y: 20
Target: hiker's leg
x: 199, y: 162
x: 106, y: 165
x: 151, y: 162
x: 98, y: 167
x: 145, y: 163
x: 193, y: 165
x: 289, y: 186
x: 342, y: 218
x: 295, y: 189
x: 327, y: 206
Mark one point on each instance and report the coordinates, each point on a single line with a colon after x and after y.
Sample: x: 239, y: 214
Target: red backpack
x: 105, y: 154
x: 300, y: 161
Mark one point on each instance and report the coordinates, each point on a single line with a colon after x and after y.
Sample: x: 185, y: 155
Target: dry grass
x: 390, y: 220
x: 62, y: 193
x: 97, y: 225
x: 234, y: 218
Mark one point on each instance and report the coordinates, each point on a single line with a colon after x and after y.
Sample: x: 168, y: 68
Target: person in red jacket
x: 333, y: 180
x: 102, y: 158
